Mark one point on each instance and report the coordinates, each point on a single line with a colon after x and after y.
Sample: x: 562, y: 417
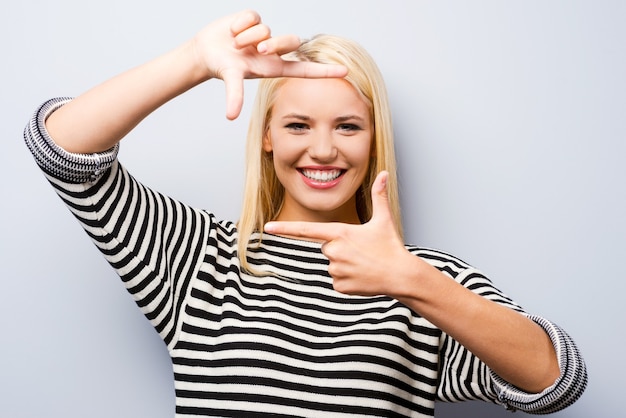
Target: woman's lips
x: 321, y: 178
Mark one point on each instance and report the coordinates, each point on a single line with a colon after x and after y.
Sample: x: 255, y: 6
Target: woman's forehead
x: 310, y: 97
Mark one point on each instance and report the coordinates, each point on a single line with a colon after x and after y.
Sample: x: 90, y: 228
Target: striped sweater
x: 285, y: 344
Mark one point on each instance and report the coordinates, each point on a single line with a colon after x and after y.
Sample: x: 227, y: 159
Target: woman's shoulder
x: 438, y: 257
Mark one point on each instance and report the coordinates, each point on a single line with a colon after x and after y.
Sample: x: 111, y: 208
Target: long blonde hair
x: 263, y: 193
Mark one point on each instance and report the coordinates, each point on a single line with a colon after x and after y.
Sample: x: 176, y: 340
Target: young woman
x: 311, y: 304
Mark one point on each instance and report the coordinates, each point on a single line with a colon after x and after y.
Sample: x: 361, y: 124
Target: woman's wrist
x: 411, y: 280
x: 198, y: 69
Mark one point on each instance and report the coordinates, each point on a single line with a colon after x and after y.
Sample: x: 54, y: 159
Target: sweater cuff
x: 57, y: 162
x: 566, y: 389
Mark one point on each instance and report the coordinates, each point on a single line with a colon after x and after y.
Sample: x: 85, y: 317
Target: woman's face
x: 320, y: 135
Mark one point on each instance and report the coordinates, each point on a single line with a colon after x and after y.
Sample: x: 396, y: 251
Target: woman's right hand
x: 240, y: 46
x: 232, y: 48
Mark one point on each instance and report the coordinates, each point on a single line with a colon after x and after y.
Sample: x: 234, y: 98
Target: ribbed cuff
x: 57, y: 162
x: 565, y: 390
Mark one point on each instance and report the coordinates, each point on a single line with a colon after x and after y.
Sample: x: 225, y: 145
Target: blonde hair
x: 263, y: 193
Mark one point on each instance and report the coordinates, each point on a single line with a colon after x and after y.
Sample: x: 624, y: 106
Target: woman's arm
x: 96, y: 120
x: 231, y: 48
x: 370, y: 259
x: 513, y: 346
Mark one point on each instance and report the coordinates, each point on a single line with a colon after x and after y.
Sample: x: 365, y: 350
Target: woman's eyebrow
x: 296, y: 116
x: 337, y: 119
x: 349, y: 117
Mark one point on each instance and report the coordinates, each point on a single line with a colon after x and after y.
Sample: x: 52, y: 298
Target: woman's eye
x: 296, y: 126
x: 348, y: 127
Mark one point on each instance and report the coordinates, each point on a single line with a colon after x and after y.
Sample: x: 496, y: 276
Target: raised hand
x: 240, y: 46
x: 231, y: 48
x: 368, y: 259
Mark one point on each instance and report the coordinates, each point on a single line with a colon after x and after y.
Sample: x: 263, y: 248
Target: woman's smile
x: 321, y: 178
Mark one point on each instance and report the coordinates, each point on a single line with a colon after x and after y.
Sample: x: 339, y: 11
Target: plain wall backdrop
x: 511, y: 139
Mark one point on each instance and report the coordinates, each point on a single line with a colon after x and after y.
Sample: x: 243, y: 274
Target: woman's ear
x: 267, y: 142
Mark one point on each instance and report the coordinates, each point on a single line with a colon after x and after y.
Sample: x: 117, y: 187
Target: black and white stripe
x: 284, y: 344
x: 54, y: 160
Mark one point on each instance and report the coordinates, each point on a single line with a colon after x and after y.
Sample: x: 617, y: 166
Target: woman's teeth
x: 321, y: 175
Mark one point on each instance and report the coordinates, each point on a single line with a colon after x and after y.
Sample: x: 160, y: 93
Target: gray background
x: 510, y: 120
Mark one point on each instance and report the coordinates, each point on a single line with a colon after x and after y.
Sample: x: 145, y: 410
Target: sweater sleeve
x: 465, y: 377
x: 54, y: 160
x: 154, y: 243
x: 563, y: 392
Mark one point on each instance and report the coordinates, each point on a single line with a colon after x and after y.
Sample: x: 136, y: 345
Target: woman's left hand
x: 368, y: 259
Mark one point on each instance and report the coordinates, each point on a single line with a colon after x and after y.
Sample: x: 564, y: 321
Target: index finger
x: 311, y: 230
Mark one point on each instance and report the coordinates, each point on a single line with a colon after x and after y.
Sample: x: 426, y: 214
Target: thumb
x: 234, y: 94
x: 380, y: 197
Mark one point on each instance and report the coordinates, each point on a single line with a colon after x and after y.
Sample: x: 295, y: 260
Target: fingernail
x: 262, y: 48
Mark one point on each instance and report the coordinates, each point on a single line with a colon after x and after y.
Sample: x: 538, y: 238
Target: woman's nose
x: 322, y: 147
